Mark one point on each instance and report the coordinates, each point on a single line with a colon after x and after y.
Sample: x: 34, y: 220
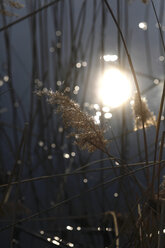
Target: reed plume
x: 14, y: 4
x: 7, y: 13
x: 87, y: 134
x: 144, y: 1
x: 142, y: 113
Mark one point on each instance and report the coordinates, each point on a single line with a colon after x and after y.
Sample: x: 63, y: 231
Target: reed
x: 82, y: 174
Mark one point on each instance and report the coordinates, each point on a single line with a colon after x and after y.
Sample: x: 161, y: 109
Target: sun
x: 114, y: 88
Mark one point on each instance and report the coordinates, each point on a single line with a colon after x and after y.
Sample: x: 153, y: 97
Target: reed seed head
x: 87, y: 134
x: 142, y: 112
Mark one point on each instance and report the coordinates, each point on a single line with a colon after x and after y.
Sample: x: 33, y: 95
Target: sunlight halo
x: 114, y: 88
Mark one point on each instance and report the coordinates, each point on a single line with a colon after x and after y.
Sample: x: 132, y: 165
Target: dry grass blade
x: 159, y: 120
x: 140, y: 224
x: 159, y: 25
x: 87, y: 134
x: 116, y: 227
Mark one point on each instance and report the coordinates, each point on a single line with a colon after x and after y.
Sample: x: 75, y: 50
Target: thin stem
x: 160, y: 30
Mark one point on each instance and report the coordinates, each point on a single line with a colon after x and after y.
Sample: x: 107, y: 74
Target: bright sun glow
x: 115, y: 88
